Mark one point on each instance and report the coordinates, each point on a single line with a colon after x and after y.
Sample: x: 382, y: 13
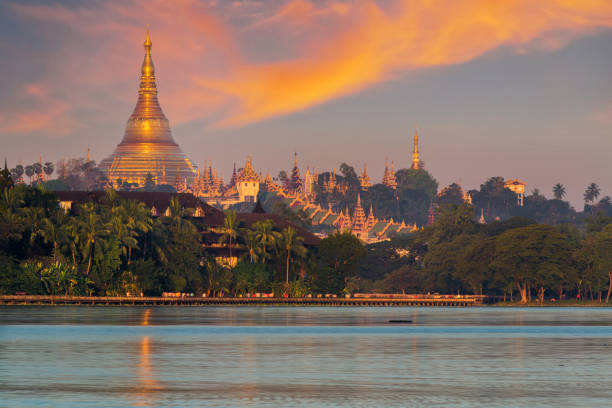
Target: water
x: 306, y: 357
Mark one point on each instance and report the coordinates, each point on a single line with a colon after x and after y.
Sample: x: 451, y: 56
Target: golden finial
x: 148, y: 42
x: 148, y: 70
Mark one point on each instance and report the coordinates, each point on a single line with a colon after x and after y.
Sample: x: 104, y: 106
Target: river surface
x: 304, y: 357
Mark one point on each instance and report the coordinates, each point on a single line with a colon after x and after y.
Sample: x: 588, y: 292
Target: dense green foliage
x: 503, y: 258
x: 115, y: 247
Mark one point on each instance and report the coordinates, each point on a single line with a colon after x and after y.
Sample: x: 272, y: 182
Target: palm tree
x: 35, y: 217
x: 265, y: 236
x: 178, y: 223
x: 559, y: 191
x: 138, y: 219
x: 591, y: 193
x: 73, y: 235
x: 11, y: 220
x: 29, y: 171
x: 92, y: 231
x: 17, y: 172
x: 55, y: 230
x: 230, y: 230
x: 38, y: 169
x: 250, y: 239
x: 124, y: 234
x: 48, y: 169
x: 292, y: 246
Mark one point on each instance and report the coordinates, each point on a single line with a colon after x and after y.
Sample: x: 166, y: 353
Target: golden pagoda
x: 416, y: 159
x: 147, y: 145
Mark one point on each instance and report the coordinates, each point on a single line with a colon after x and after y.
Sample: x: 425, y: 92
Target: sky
x: 512, y: 88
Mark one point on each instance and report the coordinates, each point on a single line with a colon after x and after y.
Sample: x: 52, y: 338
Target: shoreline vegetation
x: 115, y: 246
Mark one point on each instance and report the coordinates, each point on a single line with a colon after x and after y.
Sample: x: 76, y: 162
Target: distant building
x: 364, y: 179
x: 389, y: 176
x: 247, y: 183
x: 518, y: 187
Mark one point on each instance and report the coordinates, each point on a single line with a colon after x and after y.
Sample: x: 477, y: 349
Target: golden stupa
x: 147, y: 146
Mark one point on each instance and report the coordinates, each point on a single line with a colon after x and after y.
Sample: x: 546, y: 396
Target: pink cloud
x: 343, y: 47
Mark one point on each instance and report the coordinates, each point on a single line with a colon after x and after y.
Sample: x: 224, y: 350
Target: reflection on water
x: 314, y: 357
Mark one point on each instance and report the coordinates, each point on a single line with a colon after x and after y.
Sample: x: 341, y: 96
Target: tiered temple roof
x: 389, y: 176
x: 364, y: 179
x: 247, y: 173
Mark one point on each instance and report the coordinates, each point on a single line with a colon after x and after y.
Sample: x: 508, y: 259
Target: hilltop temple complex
x: 147, y: 147
x: 148, y: 154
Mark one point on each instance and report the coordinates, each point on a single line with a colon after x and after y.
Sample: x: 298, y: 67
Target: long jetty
x: 413, y: 300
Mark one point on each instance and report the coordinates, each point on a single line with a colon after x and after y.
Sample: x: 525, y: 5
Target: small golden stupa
x: 147, y: 146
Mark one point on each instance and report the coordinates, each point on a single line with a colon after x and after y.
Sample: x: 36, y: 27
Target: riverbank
x: 557, y: 303
x: 425, y: 300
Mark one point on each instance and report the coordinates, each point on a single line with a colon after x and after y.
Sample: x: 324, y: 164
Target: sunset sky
x: 513, y: 88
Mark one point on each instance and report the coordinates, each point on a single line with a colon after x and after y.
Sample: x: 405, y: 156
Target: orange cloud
x: 213, y: 64
x: 376, y: 45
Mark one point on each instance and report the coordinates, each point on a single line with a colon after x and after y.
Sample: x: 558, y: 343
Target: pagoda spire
x: 431, y: 216
x: 364, y: 180
x: 416, y: 160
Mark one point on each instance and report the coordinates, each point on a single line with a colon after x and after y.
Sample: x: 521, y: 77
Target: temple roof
x: 248, y: 173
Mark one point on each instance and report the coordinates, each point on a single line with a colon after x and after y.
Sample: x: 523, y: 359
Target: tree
x: 339, y: 257
x: 417, y: 179
x: 38, y: 169
x: 122, y: 232
x: 591, y: 193
x: 230, y: 230
x: 559, y: 191
x: 92, y: 231
x: 283, y: 179
x: 603, y: 255
x: 17, y: 172
x: 452, y: 221
x: 266, y: 237
x: 29, y: 171
x: 149, y: 184
x: 250, y: 240
x: 138, y: 218
x: 536, y: 255
x: 48, y: 168
x: 292, y: 246
x: 453, y: 194
x: 55, y: 231
x: 6, y: 180
x: 403, y: 279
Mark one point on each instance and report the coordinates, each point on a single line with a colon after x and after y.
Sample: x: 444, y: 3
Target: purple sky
x: 519, y: 89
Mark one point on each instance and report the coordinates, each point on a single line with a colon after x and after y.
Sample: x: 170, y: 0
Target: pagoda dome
x: 147, y: 146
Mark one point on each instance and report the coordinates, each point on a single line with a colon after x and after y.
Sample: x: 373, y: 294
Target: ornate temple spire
x: 359, y: 223
x: 482, y: 220
x: 416, y: 160
x: 364, y: 180
x: 431, y: 216
x: 295, y: 181
x: 148, y: 107
x: 389, y: 176
x: 232, y: 182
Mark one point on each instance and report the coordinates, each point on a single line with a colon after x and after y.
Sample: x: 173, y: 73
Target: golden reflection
x: 145, y: 317
x: 147, y: 384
